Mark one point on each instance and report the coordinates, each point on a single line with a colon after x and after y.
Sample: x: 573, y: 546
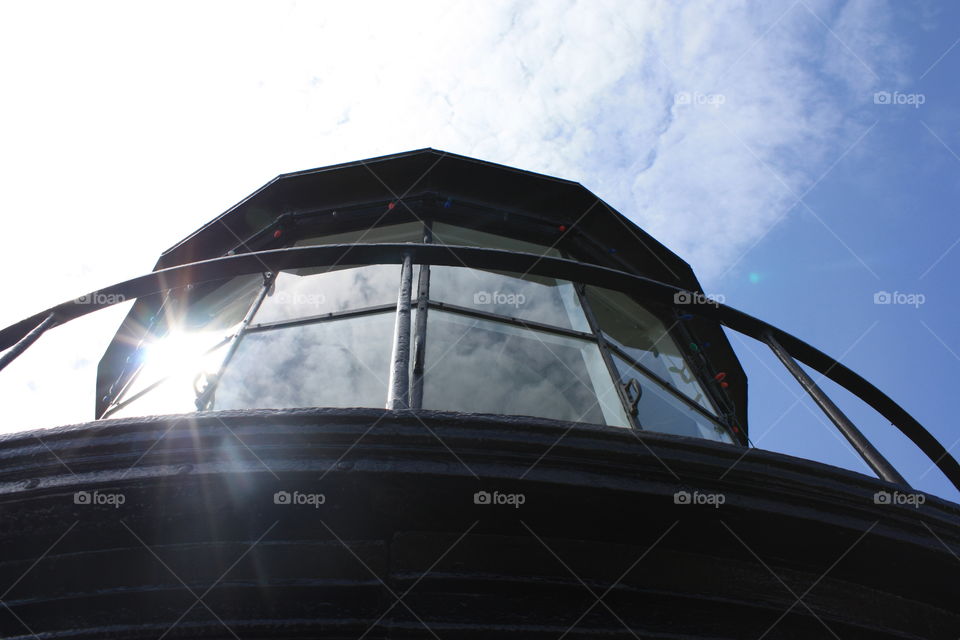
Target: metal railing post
x: 880, y: 465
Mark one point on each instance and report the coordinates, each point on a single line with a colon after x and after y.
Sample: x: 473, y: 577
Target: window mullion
x: 607, y: 360
x: 205, y: 397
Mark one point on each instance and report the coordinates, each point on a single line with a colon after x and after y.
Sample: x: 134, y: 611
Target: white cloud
x: 125, y: 128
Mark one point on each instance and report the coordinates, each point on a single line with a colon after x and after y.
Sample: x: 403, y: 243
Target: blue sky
x: 883, y: 219
x: 753, y: 138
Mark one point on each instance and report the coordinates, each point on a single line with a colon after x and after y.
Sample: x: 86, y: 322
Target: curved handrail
x: 483, y: 258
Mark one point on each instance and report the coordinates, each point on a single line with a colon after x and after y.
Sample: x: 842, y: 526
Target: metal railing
x: 788, y: 348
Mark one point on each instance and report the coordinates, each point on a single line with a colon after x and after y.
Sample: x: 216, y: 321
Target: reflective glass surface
x: 451, y: 234
x: 302, y: 293
x: 177, y: 392
x: 476, y: 365
x: 543, y: 300
x: 660, y: 410
x: 332, y: 363
x: 642, y: 336
x: 221, y: 308
x: 483, y: 366
x: 188, y: 330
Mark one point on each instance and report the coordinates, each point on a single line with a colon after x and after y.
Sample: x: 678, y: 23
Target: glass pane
x: 660, y: 410
x: 302, y: 293
x: 220, y: 309
x: 454, y: 235
x: 334, y: 363
x: 482, y: 366
x: 544, y: 300
x: 642, y: 336
x: 178, y: 392
x: 190, y: 326
x: 405, y: 232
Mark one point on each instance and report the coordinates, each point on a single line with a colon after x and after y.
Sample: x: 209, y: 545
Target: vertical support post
x: 420, y: 329
x: 24, y: 343
x: 880, y: 465
x: 398, y: 390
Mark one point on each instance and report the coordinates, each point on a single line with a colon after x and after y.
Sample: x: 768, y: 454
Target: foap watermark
x: 98, y: 498
x: 298, y: 498
x: 100, y: 298
x: 897, y: 297
x: 699, y: 498
x: 696, y: 98
x: 512, y: 499
x: 899, y: 498
x: 695, y: 297
x: 299, y: 299
x: 899, y: 98
x: 499, y: 297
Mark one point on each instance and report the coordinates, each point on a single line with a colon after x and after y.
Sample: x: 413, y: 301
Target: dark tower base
x: 599, y: 520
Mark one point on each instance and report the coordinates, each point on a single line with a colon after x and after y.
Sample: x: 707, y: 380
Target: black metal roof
x: 431, y: 171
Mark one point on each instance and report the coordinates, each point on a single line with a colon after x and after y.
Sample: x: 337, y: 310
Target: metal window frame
x: 324, y: 317
x: 205, y: 398
x: 672, y: 391
x: 114, y: 394
x: 629, y: 407
x: 424, y: 303
x: 639, y: 287
x: 117, y: 406
x: 669, y: 388
x: 410, y: 343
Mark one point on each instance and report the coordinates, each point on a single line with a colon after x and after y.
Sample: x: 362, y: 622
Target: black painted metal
x: 880, y: 465
x: 673, y: 391
x: 324, y: 317
x: 626, y: 401
x: 201, y: 518
x: 441, y: 186
x: 130, y: 369
x: 642, y: 288
x: 28, y: 339
x: 127, y: 400
x: 518, y: 322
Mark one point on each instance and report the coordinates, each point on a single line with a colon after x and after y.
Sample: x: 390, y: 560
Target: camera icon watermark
x: 498, y: 297
x: 898, y: 98
x: 97, y: 498
x: 100, y: 298
x: 702, y: 99
x: 512, y: 499
x: 915, y: 500
x: 695, y: 298
x: 897, y: 297
x: 297, y: 498
x: 299, y: 299
x: 697, y: 498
